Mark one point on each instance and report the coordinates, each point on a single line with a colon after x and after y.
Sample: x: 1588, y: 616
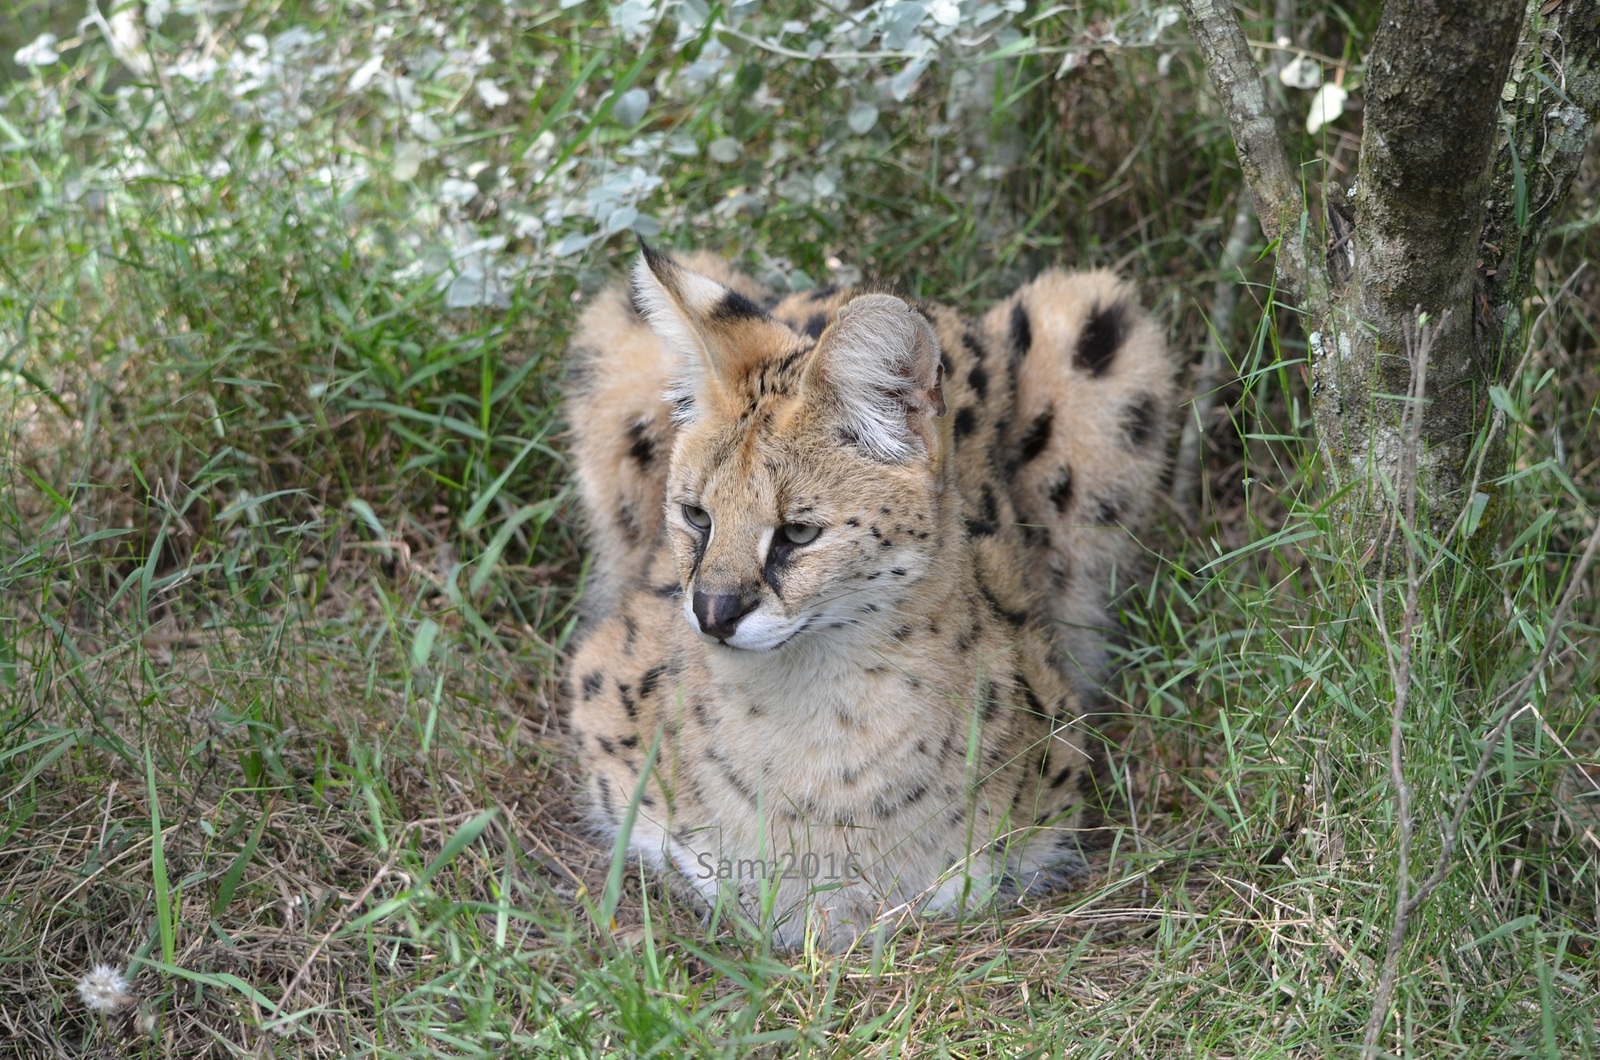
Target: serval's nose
x: 719, y: 613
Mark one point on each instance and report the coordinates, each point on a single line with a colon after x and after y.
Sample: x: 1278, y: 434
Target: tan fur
x: 898, y: 717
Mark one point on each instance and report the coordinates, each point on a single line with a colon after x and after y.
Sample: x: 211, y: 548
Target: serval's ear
x: 879, y: 361
x: 704, y: 328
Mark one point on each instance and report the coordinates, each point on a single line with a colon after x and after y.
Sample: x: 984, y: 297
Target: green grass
x: 287, y: 564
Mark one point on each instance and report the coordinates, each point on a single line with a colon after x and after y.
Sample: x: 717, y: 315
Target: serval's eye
x: 798, y: 533
x: 698, y: 518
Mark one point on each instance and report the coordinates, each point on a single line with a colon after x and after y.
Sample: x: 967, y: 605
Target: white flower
x: 491, y: 94
x: 105, y: 990
x: 42, y: 52
x: 1326, y: 106
x: 1302, y: 72
x: 945, y: 12
x: 366, y: 72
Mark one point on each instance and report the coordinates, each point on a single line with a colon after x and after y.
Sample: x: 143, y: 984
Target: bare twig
x: 1273, y: 182
x: 1224, y: 299
x: 1408, y: 900
x: 1419, y: 344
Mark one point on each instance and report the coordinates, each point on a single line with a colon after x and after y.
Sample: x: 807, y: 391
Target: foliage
x: 286, y: 562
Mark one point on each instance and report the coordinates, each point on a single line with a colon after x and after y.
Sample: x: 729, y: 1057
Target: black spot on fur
x: 902, y: 633
x: 1061, y: 777
x: 1016, y: 618
x: 1036, y: 437
x: 647, y: 683
x: 1102, y: 336
x: 625, y: 693
x: 606, y: 745
x: 991, y: 509
x: 978, y: 379
x: 991, y: 701
x: 979, y: 528
x: 628, y: 520
x: 1106, y: 512
x: 1029, y: 695
x: 779, y: 556
x: 735, y: 306
x: 735, y: 781
x: 630, y: 634
x: 1061, y: 489
x: 886, y: 805
x: 592, y: 683
x: 643, y: 449
x: 629, y: 742
x: 1139, y: 420
x: 974, y: 345
x: 1021, y: 331
x: 605, y: 795
x: 786, y: 365
x: 965, y: 423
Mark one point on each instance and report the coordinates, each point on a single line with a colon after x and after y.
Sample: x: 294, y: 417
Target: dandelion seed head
x: 104, y: 989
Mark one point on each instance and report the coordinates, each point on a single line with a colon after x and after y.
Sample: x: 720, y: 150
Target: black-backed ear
x: 880, y: 360
x: 690, y: 314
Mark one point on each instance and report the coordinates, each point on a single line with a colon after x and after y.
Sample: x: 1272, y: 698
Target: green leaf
x: 422, y: 643
x: 1502, y: 401
x: 158, y: 867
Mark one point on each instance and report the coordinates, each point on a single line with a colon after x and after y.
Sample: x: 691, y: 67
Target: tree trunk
x: 1450, y: 205
x: 1433, y: 79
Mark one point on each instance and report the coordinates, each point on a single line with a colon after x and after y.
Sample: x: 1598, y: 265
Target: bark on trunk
x: 1551, y: 102
x: 1433, y: 80
x: 1453, y: 196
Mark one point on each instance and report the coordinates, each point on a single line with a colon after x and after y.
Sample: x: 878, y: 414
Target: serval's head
x: 807, y: 476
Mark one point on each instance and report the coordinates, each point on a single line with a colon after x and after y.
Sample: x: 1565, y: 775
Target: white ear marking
x: 665, y: 308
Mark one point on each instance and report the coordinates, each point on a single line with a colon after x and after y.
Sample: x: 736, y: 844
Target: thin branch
x: 1273, y: 182
x: 1224, y: 299
x: 1408, y: 904
x: 1419, y: 345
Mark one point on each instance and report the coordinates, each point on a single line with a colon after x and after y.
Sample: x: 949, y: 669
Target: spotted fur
x: 852, y: 558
